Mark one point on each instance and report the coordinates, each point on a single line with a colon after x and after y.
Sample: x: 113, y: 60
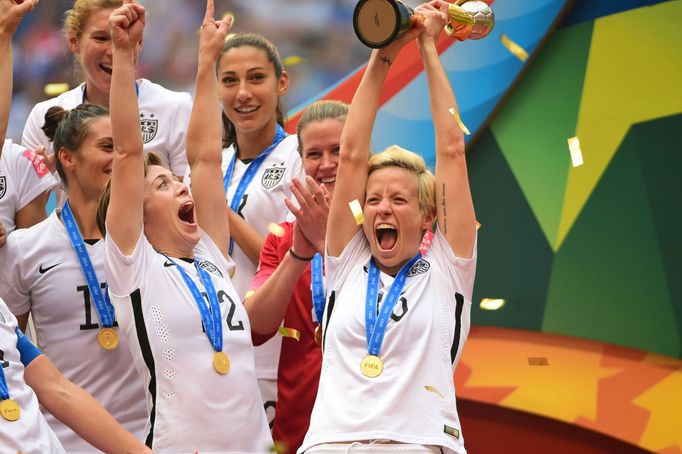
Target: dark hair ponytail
x: 259, y: 42
x: 68, y: 129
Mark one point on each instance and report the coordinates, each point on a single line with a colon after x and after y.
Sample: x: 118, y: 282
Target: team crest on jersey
x: 272, y: 176
x: 210, y: 267
x: 3, y: 186
x: 421, y: 267
x: 148, y: 127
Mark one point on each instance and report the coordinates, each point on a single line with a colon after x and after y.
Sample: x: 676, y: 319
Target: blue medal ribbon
x: 317, y: 288
x: 250, y: 173
x: 375, y: 326
x: 210, y: 315
x: 105, y: 311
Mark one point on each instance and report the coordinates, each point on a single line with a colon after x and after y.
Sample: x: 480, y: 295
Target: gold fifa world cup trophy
x: 377, y: 23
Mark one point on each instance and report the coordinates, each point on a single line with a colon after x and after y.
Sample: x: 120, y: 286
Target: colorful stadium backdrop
x: 587, y: 259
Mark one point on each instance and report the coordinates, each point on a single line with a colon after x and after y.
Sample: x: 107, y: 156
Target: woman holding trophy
x: 396, y: 321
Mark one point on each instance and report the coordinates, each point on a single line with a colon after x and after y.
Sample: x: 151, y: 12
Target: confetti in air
x: 292, y: 60
x: 289, y: 332
x: 357, y: 211
x: 56, y: 89
x: 518, y: 51
x: 576, y: 153
x: 492, y: 304
x: 455, y: 114
x: 432, y: 389
x: 276, y: 229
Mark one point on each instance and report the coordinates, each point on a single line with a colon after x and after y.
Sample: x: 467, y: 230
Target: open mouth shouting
x: 186, y: 213
x: 387, y: 236
x: 106, y: 68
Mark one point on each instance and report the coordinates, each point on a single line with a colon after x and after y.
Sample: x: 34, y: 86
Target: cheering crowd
x: 209, y: 283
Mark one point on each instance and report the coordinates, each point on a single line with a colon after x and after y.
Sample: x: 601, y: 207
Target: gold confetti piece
x: 250, y: 293
x: 276, y: 229
x: 576, y: 153
x: 478, y: 225
x: 289, y: 332
x: 492, y: 304
x: 455, y: 114
x: 518, y: 51
x: 538, y: 361
x: 230, y: 36
x: 279, y: 448
x: 292, y: 60
x: 56, y: 89
x: 357, y: 211
x: 431, y: 389
x: 232, y: 271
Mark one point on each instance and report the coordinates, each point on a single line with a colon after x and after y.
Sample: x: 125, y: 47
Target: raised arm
x: 204, y: 146
x: 10, y: 18
x: 456, y: 217
x: 124, y: 215
x: 351, y: 178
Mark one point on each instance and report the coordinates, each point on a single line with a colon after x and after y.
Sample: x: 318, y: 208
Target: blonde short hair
x: 395, y: 156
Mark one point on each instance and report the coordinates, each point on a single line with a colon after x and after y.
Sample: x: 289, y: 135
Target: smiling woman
x: 164, y: 114
x: 259, y: 163
x: 67, y: 248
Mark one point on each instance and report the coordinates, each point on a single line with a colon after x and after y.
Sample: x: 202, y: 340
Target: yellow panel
x: 634, y: 74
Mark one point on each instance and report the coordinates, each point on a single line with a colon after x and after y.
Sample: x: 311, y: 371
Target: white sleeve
x: 207, y: 249
x: 460, y: 272
x: 12, y: 287
x: 338, y: 268
x: 126, y: 273
x: 33, y: 134
x: 177, y: 156
x: 31, y: 176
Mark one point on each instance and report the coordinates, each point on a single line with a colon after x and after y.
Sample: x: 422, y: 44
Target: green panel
x: 514, y: 258
x: 538, y: 118
x: 658, y: 143
x: 608, y: 281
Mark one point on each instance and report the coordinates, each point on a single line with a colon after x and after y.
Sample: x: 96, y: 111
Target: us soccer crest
x: 421, y: 267
x: 210, y: 267
x: 148, y: 127
x: 272, y: 176
x: 3, y: 186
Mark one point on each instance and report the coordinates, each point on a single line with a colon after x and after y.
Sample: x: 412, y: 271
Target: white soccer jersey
x: 191, y: 407
x: 263, y: 203
x: 42, y: 275
x: 413, y: 400
x: 29, y: 434
x: 164, y: 117
x: 23, y: 176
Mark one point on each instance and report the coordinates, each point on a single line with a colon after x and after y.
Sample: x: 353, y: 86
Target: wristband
x: 298, y: 257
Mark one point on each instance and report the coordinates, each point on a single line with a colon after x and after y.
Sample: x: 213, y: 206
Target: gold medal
x: 10, y: 410
x: 221, y: 363
x: 318, y: 335
x: 371, y: 366
x: 107, y: 338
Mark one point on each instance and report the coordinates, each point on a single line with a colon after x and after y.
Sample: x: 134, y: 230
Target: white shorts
x: 374, y: 447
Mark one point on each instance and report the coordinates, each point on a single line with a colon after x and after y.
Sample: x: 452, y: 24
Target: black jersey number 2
x: 225, y: 298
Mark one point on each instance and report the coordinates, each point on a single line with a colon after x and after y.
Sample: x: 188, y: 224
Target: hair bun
x: 53, y: 117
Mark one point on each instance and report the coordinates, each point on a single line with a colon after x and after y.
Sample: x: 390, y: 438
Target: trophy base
x: 377, y: 23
